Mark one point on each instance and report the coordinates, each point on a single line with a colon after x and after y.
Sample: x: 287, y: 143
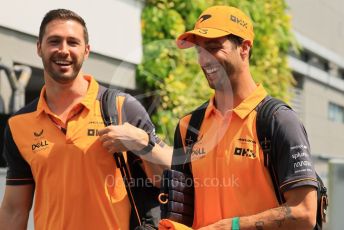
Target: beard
x: 60, y: 76
x: 221, y: 78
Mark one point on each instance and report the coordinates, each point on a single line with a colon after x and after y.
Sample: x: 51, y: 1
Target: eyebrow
x: 212, y: 42
x: 59, y: 37
x: 53, y: 37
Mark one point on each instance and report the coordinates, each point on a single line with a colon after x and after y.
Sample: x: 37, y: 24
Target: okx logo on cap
x: 219, y: 21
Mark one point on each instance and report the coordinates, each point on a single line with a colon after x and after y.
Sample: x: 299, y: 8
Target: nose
x: 204, y: 57
x: 63, y: 48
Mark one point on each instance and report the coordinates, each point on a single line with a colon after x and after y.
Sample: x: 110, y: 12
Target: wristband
x: 235, y: 223
x: 150, y: 146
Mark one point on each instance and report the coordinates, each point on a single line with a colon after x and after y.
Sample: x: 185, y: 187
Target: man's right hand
x: 126, y: 137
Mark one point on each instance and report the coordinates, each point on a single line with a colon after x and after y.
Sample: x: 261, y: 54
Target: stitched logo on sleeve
x: 301, y: 159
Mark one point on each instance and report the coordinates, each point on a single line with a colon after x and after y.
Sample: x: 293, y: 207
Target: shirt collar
x: 211, y: 107
x: 42, y: 104
x: 246, y: 106
x: 87, y: 101
x: 251, y: 102
x: 92, y: 92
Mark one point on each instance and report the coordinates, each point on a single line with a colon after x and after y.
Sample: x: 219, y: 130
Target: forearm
x: 157, y: 161
x: 126, y: 137
x: 283, y: 217
x: 13, y: 220
x: 16, y: 206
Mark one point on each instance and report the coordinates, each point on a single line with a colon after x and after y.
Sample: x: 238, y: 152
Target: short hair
x: 61, y: 14
x: 237, y: 41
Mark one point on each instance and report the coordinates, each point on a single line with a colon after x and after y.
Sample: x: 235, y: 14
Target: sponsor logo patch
x: 245, y: 152
x: 92, y: 132
x: 38, y: 134
x: 196, y: 150
x: 204, y: 17
x: 203, y: 31
x: 42, y: 144
x: 238, y: 21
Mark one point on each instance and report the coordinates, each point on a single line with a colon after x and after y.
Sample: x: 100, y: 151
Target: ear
x: 39, y: 48
x: 245, y: 49
x: 87, y: 51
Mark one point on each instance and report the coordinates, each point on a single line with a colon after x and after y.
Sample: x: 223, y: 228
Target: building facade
x: 319, y: 94
x: 319, y: 72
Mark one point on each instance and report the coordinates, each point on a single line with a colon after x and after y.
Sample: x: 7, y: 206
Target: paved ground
x: 2, y: 188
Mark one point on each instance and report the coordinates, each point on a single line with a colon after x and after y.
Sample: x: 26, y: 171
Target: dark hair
x: 236, y: 40
x: 61, y: 14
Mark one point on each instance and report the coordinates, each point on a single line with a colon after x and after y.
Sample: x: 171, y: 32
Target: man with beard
x: 233, y: 188
x: 53, y: 148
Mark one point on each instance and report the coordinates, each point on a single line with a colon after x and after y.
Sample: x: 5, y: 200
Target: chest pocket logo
x: 43, y: 144
x: 39, y: 143
x: 245, y: 152
x: 245, y: 148
x: 38, y: 134
x: 196, y: 150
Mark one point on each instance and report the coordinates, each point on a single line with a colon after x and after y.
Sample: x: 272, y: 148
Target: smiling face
x: 63, y: 50
x: 219, y: 59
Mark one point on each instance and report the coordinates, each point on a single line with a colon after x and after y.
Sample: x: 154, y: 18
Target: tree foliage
x: 174, y: 77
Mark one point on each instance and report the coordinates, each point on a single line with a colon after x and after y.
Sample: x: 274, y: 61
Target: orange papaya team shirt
x: 227, y: 162
x: 77, y: 184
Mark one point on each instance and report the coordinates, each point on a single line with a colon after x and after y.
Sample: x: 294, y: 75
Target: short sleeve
x: 294, y: 166
x: 18, y: 171
x: 135, y: 114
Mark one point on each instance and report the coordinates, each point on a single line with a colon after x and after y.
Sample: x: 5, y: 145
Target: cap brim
x: 187, y: 39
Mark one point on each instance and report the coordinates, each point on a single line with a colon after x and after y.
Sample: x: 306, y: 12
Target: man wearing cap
x: 233, y: 188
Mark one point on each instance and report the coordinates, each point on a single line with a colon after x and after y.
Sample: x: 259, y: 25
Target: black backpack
x: 145, y: 213
x: 265, y: 111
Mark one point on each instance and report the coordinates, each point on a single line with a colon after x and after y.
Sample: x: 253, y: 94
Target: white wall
x: 320, y: 20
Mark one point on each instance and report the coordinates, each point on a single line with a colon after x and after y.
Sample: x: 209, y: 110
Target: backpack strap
x: 108, y: 106
x: 265, y: 112
x: 179, y: 155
